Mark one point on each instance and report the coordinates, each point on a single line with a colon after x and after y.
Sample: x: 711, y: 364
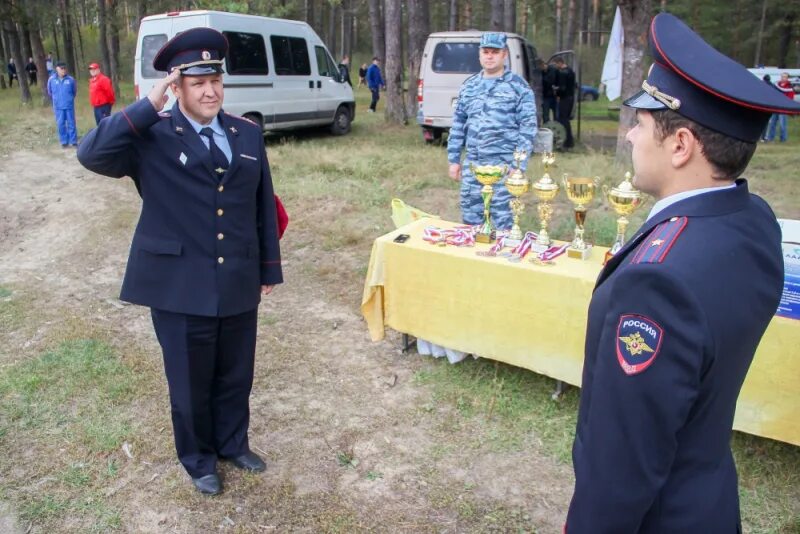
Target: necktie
x: 217, y: 156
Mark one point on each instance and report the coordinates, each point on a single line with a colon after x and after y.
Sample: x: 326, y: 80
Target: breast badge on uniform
x: 638, y: 343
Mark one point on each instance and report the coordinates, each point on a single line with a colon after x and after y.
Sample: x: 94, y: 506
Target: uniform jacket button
x: 220, y: 212
x: 220, y: 236
x: 220, y: 260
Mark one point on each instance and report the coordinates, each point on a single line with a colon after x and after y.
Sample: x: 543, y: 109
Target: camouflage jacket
x: 493, y: 123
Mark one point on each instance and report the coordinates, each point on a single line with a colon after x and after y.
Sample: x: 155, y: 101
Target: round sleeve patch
x: 638, y: 343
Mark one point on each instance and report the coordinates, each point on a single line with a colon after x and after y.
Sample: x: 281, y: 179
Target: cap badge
x: 206, y: 55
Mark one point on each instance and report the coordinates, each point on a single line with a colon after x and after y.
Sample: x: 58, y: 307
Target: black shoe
x: 208, y: 484
x: 249, y: 461
x: 64, y: 146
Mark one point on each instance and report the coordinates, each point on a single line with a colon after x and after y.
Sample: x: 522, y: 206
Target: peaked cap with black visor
x: 696, y: 81
x: 195, y: 52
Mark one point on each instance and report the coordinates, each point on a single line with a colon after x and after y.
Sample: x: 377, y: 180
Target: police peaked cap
x: 693, y: 79
x: 195, y: 52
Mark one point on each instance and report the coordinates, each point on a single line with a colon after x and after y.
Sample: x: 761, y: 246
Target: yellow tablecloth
x: 535, y: 317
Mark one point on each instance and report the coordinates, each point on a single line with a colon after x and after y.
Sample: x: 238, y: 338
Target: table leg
x: 407, y: 343
x: 558, y: 391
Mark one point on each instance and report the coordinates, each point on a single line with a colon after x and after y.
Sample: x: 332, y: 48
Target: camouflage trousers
x: 472, y: 202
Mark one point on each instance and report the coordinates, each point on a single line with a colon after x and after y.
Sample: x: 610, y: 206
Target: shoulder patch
x: 639, y: 341
x: 245, y: 119
x: 656, y: 246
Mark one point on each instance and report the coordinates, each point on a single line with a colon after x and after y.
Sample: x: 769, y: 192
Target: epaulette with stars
x: 655, y: 248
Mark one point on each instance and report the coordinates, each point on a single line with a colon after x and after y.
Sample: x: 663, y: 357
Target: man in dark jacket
x: 565, y: 92
x: 205, y: 249
x: 676, y: 314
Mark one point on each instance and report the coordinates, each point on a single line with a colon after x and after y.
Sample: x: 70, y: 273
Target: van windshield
x: 461, y: 58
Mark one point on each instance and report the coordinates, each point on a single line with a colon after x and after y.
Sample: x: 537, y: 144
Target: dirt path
x: 349, y: 441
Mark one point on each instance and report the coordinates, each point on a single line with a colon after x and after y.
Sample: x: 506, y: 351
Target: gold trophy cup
x: 517, y: 184
x: 488, y: 175
x: 580, y: 191
x: 545, y: 190
x: 625, y: 199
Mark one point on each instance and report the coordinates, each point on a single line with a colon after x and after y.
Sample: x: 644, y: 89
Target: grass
x: 74, y: 395
x: 77, y: 394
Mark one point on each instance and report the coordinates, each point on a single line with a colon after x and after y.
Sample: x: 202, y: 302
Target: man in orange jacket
x: 101, y: 93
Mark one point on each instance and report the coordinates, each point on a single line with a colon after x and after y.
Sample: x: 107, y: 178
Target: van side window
x: 290, y: 55
x: 246, y: 54
x: 325, y: 64
x: 461, y: 58
x: 151, y: 44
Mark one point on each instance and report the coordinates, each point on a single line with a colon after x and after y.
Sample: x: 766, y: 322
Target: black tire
x: 341, y: 121
x: 436, y: 136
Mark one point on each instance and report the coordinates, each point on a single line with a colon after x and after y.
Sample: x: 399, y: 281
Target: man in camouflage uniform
x: 495, y: 115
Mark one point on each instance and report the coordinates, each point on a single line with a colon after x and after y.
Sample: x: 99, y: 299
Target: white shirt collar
x: 672, y: 199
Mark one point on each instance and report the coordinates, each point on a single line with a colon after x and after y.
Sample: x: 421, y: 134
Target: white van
x: 278, y: 72
x: 450, y: 58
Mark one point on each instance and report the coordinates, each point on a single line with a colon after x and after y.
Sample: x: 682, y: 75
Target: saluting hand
x: 158, y: 94
x: 266, y: 290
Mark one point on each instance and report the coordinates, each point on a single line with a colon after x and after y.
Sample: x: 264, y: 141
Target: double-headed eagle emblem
x: 635, y: 344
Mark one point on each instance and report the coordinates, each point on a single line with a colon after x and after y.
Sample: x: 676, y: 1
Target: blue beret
x: 493, y: 40
x: 196, y: 52
x: 696, y: 81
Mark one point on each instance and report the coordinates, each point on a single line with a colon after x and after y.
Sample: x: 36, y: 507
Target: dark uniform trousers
x: 693, y: 292
x: 209, y: 366
x: 203, y: 247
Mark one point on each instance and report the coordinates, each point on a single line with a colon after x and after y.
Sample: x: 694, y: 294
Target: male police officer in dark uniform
x: 677, y: 314
x: 205, y: 247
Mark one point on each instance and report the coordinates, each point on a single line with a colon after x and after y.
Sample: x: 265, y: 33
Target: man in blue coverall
x: 375, y: 82
x: 62, y: 90
x: 676, y: 315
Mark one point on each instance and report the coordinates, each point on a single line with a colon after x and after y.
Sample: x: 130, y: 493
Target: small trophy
x: 517, y: 184
x: 488, y: 175
x: 545, y: 190
x: 625, y: 199
x: 580, y: 191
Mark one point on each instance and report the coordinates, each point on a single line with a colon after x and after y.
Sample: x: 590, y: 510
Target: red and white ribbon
x: 460, y: 236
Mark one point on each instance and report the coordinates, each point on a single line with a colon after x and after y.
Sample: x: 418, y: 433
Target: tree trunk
x: 57, y: 57
x: 332, y: 27
x: 635, y: 23
x: 596, y: 22
x: 376, y: 24
x: 452, y: 24
x: 395, y: 107
x: 526, y: 17
x: 3, y: 55
x: 80, y: 58
x: 571, y: 25
x: 496, y: 16
x: 467, y: 15
x: 418, y: 29
x: 757, y: 60
x: 15, y: 51
x: 113, y: 45
x: 141, y: 11
x: 348, y: 15
x: 510, y: 16
x: 787, y: 28
x: 39, y: 58
x: 583, y: 17
x: 559, y: 37
x: 66, y: 27
x: 102, y: 37
x: 25, y: 39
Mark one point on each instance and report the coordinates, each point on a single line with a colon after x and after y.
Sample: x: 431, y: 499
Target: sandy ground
x: 322, y: 390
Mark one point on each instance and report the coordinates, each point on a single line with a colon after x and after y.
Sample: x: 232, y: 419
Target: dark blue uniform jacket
x: 203, y: 246
x: 673, y: 324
